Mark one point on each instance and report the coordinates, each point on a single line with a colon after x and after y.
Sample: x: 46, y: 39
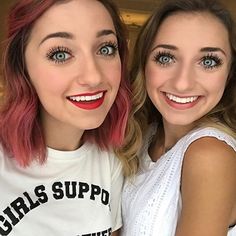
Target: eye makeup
x: 164, y: 58
x: 59, y: 54
x: 108, y: 48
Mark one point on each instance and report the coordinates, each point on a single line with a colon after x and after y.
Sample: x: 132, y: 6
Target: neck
x: 63, y: 139
x: 173, y: 133
x: 167, y: 136
x: 61, y: 136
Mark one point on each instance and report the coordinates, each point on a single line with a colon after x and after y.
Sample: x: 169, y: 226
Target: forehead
x: 74, y: 16
x: 200, y: 28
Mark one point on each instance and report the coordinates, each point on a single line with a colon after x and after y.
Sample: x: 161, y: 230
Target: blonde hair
x: 223, y: 115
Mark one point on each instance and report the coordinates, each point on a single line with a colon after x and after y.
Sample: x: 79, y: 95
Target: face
x: 73, y: 62
x: 187, y: 68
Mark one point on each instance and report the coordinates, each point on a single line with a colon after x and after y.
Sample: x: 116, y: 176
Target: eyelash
x: 160, y: 55
x: 171, y: 59
x: 55, y: 51
x: 110, y: 44
x: 212, y: 57
x: 68, y: 53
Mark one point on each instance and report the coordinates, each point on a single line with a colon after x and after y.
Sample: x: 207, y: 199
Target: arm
x: 208, y: 188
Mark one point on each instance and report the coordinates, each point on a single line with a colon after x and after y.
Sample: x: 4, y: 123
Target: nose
x: 90, y: 73
x: 184, y: 78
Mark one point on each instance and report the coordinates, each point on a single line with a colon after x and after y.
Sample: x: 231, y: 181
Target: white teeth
x: 86, y: 98
x: 181, y: 100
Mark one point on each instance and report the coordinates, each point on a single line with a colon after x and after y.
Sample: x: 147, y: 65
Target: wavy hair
x: 21, y: 134
x: 223, y: 115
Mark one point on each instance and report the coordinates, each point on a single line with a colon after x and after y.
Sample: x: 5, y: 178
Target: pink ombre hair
x: 21, y: 134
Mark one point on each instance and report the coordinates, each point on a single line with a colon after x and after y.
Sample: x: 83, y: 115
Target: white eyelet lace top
x: 151, y: 202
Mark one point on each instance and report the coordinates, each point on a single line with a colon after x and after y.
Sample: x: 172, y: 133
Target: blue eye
x: 164, y: 58
x: 59, y: 54
x: 109, y: 49
x: 210, y: 61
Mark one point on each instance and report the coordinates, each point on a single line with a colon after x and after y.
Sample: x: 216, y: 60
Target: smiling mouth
x: 181, y: 100
x: 86, y: 98
x: 88, y: 101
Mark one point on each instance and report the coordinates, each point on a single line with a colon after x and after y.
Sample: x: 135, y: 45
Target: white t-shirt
x: 74, y: 193
x: 151, y: 202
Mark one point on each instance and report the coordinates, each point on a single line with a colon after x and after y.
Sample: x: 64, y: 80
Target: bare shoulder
x: 210, y: 153
x: 209, y: 160
x: 207, y: 188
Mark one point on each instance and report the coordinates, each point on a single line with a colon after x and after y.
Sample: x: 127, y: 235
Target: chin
x: 93, y: 125
x: 180, y: 122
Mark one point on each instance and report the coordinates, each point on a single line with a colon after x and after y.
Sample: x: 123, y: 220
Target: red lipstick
x: 88, y: 101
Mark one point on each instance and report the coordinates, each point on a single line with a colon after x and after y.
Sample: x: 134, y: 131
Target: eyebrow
x: 105, y: 32
x: 212, y: 49
x: 67, y: 35
x: 204, y: 49
x: 166, y: 46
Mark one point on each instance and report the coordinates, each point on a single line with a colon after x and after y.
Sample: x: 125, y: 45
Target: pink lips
x: 90, y: 104
x: 181, y: 106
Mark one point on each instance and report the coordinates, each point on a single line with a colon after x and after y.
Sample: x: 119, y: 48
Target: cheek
x: 45, y: 78
x: 216, y: 84
x: 48, y: 83
x: 152, y: 77
x: 218, y: 90
x: 113, y: 73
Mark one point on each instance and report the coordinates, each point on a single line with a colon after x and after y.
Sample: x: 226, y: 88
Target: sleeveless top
x: 151, y: 202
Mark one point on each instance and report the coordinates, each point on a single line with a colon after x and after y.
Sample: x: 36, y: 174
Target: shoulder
x: 211, y: 132
x: 210, y: 148
x: 207, y: 187
x: 209, y: 155
x: 207, y: 140
x: 102, y: 156
x: 209, y: 170
x: 105, y: 162
x: 98, y: 152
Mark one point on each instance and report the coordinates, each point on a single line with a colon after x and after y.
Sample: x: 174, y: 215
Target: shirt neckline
x: 67, y: 155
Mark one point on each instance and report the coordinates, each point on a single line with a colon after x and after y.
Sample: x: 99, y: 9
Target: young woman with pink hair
x: 64, y: 111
